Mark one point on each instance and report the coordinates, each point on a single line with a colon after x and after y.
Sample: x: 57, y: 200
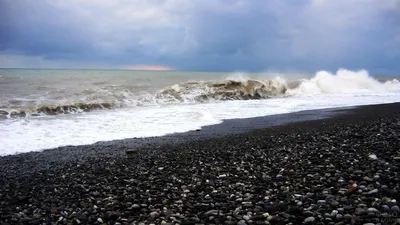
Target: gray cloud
x: 204, y: 35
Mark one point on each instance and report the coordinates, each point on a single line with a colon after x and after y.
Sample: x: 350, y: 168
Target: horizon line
x: 193, y: 71
x: 119, y: 69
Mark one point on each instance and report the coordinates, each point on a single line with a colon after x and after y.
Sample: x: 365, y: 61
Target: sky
x: 202, y: 35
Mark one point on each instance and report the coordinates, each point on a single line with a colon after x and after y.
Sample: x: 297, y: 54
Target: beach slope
x: 340, y: 167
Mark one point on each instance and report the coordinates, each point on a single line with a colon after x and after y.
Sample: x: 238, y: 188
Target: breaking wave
x: 241, y: 88
x: 343, y: 82
x: 54, y: 110
x: 224, y: 90
x: 232, y: 88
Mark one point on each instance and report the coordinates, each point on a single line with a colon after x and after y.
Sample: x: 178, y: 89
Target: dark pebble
x: 291, y: 174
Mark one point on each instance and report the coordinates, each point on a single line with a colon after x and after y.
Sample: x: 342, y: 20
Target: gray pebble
x: 310, y: 219
x: 373, y: 192
x: 211, y: 212
x: 395, y: 209
x: 308, y: 213
x: 154, y: 214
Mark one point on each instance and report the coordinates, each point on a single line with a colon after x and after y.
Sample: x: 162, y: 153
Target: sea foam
x: 157, y: 115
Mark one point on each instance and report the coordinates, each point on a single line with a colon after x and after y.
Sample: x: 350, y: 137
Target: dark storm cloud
x: 202, y: 35
x: 38, y: 29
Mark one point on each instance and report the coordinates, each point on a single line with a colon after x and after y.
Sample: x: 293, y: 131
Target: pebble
x: 242, y: 222
x: 347, y: 217
x: 358, y: 172
x: 372, y: 210
x: 247, y: 204
x: 246, y: 217
x: 373, y: 192
x: 385, y: 208
x: 368, y: 179
x: 334, y: 203
x: 154, y: 214
x: 348, y: 208
x: 308, y: 214
x: 211, y: 212
x: 360, y: 211
x: 309, y: 220
x: 264, y: 178
x: 373, y: 157
x: 395, y: 209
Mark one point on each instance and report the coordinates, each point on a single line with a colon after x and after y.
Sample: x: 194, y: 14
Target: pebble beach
x: 343, y: 169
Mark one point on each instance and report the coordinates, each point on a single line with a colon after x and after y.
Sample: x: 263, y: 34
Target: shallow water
x: 43, y: 109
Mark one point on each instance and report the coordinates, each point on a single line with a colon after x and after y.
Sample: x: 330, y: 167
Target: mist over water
x: 42, y: 109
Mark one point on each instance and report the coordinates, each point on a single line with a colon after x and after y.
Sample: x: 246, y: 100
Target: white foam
x: 34, y: 134
x: 325, y: 90
x: 343, y: 82
x: 238, y: 76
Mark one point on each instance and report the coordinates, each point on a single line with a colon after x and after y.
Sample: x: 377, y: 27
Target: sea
x: 44, y: 109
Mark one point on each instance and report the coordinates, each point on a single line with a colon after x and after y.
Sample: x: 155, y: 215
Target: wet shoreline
x: 296, y: 170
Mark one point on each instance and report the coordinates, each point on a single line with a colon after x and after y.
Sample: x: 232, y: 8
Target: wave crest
x: 343, y: 82
x: 55, y: 110
x: 235, y: 87
x: 224, y: 90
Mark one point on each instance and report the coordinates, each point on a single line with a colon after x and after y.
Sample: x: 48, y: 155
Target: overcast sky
x: 202, y: 35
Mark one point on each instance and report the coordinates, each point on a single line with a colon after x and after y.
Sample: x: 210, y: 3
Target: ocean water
x: 42, y: 109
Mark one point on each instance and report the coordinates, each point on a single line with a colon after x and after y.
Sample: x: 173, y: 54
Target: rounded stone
x: 308, y: 213
x: 154, y: 214
x: 310, y: 219
x: 334, y: 203
x: 395, y: 209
